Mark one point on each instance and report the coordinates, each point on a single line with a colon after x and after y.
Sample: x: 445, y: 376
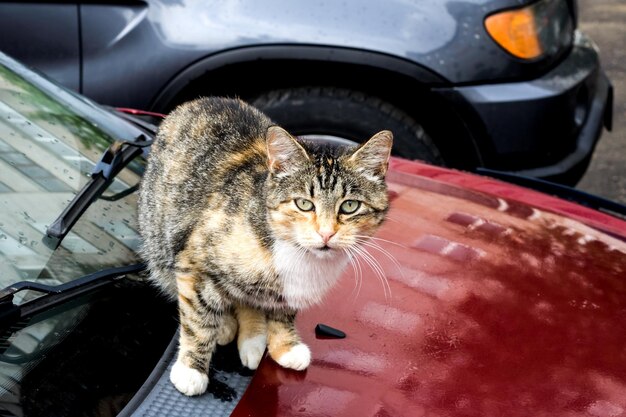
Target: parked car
x: 489, y: 299
x: 504, y: 84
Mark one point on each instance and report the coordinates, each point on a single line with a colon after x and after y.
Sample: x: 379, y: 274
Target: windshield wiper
x: 113, y: 160
x: 55, y: 294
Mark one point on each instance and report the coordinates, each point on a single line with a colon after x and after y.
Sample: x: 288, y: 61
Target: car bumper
x: 546, y: 127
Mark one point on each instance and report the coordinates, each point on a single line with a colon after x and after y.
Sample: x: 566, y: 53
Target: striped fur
x: 223, y: 234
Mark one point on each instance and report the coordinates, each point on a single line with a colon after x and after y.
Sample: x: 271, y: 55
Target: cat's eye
x: 304, y: 204
x: 349, y: 206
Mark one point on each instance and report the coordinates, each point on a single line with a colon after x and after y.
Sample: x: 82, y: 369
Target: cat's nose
x: 326, y: 234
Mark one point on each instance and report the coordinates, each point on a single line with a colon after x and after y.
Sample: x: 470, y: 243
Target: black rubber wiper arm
x: 54, y: 294
x: 116, y: 157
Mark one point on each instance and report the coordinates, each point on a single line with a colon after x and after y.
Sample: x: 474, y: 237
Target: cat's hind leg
x: 284, y: 343
x: 228, y: 329
x: 252, y: 339
x: 200, y: 320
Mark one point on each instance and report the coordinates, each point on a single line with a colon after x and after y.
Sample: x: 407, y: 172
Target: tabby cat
x: 246, y: 225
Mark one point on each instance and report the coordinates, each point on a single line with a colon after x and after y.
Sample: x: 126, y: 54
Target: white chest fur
x: 306, y: 277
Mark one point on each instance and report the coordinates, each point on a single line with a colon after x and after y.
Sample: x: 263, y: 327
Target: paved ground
x: 605, y: 22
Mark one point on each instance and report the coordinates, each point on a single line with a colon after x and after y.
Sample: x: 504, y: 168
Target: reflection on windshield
x: 46, y: 155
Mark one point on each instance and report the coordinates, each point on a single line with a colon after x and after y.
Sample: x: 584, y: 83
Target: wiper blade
x: 559, y: 190
x: 116, y: 157
x: 55, y: 294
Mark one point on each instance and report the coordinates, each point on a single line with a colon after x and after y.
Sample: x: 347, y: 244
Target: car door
x: 53, y: 47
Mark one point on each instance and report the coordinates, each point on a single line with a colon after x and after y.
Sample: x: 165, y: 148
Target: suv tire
x: 349, y: 115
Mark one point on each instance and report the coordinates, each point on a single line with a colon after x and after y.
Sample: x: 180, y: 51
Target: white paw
x: 187, y: 380
x: 227, y: 331
x: 251, y: 351
x: 298, y: 357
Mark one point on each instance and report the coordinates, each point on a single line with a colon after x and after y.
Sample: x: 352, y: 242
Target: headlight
x: 541, y: 29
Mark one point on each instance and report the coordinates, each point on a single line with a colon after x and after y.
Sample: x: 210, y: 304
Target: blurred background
x: 605, y: 22
x: 122, y: 44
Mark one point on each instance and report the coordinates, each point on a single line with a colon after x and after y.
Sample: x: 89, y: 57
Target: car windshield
x: 50, y: 140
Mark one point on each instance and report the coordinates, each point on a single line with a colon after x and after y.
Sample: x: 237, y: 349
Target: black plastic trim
x: 58, y: 293
x: 154, y: 377
x: 293, y: 52
x: 600, y: 115
x: 324, y: 331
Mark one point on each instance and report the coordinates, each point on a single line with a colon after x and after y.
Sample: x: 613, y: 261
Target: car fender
x: 328, y: 54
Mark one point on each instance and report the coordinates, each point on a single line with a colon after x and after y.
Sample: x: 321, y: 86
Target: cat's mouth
x: 324, y: 251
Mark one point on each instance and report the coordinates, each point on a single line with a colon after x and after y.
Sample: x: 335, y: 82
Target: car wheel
x: 338, y: 114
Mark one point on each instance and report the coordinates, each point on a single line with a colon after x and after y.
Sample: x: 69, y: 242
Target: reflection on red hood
x: 493, y: 303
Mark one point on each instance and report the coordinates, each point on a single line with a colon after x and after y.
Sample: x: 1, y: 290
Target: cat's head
x: 326, y: 200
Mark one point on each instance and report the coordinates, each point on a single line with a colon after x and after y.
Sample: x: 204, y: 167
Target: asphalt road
x: 605, y: 22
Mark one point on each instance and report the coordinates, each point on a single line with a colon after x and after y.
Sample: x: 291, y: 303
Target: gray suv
x: 508, y: 85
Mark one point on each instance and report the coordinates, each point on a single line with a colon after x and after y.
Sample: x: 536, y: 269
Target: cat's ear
x: 284, y: 153
x: 372, y: 158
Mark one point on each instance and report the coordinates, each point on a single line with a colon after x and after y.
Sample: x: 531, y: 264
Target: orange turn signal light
x: 516, y: 32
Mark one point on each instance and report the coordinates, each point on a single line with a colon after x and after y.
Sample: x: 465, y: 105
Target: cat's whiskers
x: 358, y: 272
x: 374, y: 266
x: 381, y: 239
x: 374, y: 245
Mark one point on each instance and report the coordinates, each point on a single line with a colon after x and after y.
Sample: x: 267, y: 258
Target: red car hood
x: 496, y: 301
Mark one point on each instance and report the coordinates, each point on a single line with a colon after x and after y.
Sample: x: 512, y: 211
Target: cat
x: 245, y: 225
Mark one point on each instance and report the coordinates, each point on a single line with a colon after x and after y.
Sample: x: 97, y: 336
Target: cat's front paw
x: 251, y: 350
x: 298, y: 357
x: 187, y: 380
